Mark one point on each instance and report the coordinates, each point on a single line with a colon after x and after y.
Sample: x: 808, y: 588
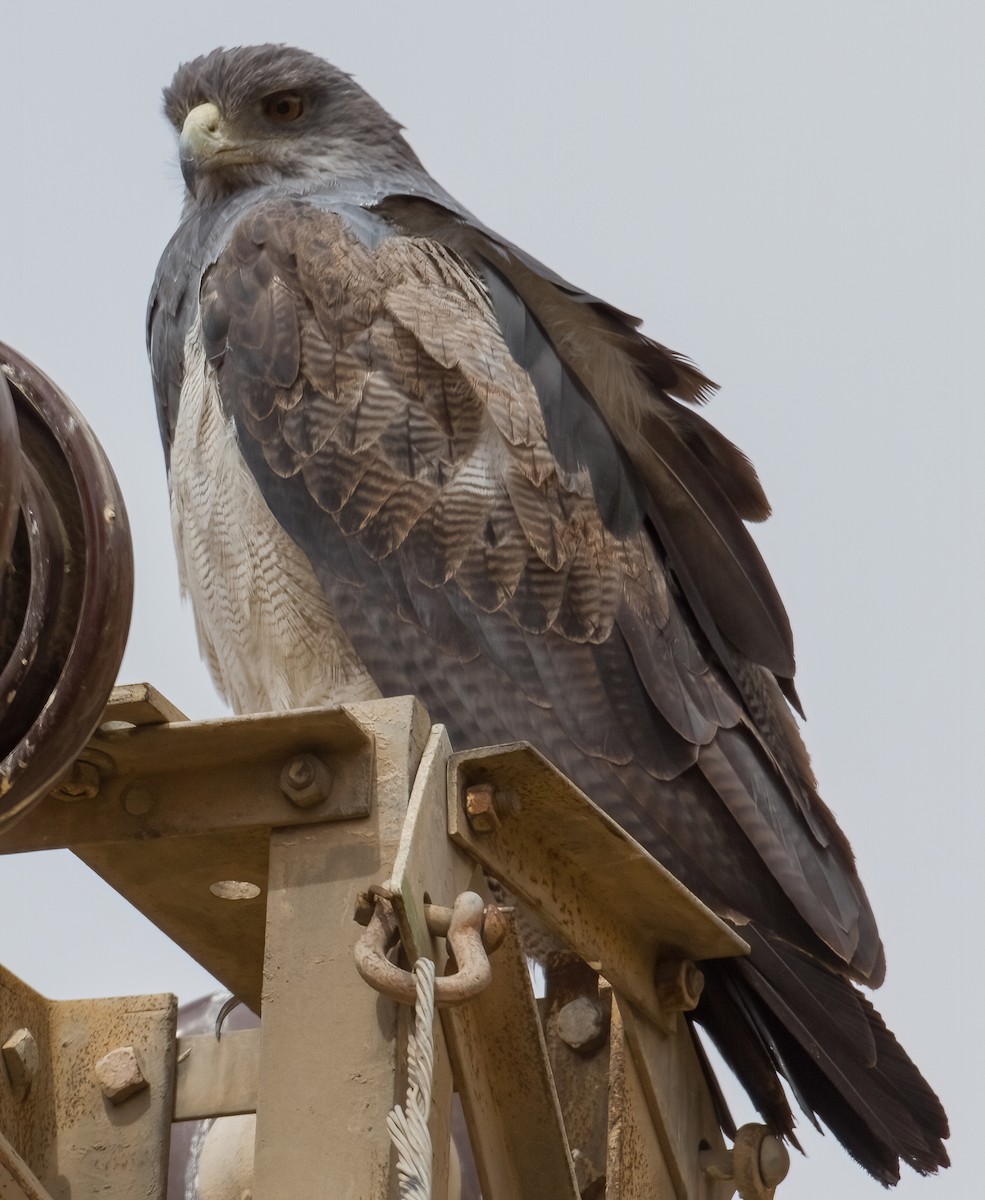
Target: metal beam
x: 171, y: 800
x: 188, y: 778
x: 217, y: 1078
x: 668, y: 1075
x: 329, y: 1063
x: 252, y: 842
x: 587, y: 880
x: 87, y: 1091
x: 495, y: 1041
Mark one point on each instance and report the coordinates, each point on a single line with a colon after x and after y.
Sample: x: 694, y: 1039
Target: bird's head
x: 256, y: 115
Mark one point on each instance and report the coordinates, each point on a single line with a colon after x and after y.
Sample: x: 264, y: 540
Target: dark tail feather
x: 723, y: 1113
x: 778, y: 1011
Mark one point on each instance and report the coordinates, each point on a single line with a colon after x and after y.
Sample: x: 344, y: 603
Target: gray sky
x: 789, y: 194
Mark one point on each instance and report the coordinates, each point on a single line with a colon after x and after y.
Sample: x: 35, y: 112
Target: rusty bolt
x: 305, y: 780
x: 365, y: 903
x: 679, y: 984
x: 81, y: 782
x: 581, y: 1025
x: 20, y: 1057
x: 119, y: 1074
x: 480, y: 807
x: 495, y: 923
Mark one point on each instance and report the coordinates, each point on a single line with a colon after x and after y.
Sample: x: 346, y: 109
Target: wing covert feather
x: 406, y: 446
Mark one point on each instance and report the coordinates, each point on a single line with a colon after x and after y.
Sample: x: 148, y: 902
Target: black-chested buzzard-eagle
x: 404, y: 456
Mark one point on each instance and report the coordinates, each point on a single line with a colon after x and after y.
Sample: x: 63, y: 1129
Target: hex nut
x: 305, y: 780
x: 480, y: 808
x: 581, y: 1025
x: 119, y: 1074
x: 365, y: 905
x: 679, y: 984
x: 20, y: 1057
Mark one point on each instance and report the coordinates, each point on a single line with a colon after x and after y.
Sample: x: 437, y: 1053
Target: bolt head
x: 20, y: 1057
x: 119, y: 1074
x: 581, y: 1025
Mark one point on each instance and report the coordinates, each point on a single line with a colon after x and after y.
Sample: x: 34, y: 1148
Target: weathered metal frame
x: 68, y: 1135
x: 495, y: 1043
x: 179, y: 805
x: 587, y: 880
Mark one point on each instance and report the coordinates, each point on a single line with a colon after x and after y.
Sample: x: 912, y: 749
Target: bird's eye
x: 283, y: 107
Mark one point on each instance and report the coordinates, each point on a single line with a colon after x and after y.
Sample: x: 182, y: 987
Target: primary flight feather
x: 404, y: 456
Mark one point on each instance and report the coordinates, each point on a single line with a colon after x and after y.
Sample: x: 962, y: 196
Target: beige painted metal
x: 217, y: 1078
x: 637, y: 1109
x: 679, y: 1105
x: 179, y: 808
x: 507, y: 1090
x: 636, y: 1167
x: 195, y: 802
x: 680, y: 1110
x: 141, y: 704
x: 17, y: 1180
x: 185, y: 778
x: 586, y: 879
x: 580, y: 1077
x: 70, y: 1136
x: 495, y: 1041
x: 330, y: 1048
x: 428, y: 869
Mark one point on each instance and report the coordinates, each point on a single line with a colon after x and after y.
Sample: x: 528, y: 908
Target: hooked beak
x: 205, y: 144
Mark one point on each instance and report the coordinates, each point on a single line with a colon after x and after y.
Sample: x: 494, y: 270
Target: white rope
x: 409, y: 1125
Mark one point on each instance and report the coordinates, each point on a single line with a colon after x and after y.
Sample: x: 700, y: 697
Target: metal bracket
x: 86, y: 1092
